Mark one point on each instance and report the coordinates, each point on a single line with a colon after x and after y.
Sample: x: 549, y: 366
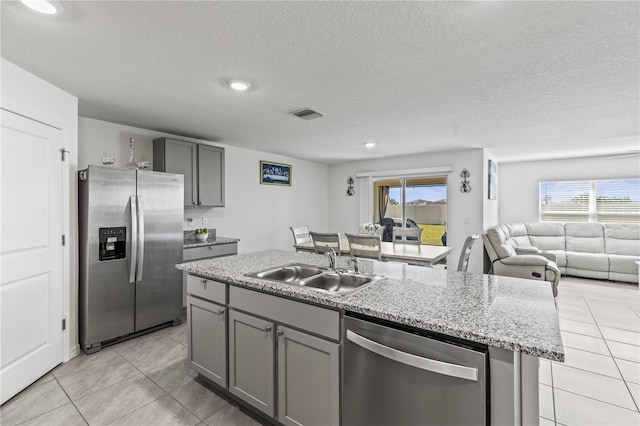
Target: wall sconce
x: 465, y: 187
x: 350, y: 190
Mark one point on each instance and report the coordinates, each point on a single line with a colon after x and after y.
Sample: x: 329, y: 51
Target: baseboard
x: 74, y: 351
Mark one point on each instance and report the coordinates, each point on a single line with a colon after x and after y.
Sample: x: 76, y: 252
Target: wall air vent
x: 306, y: 114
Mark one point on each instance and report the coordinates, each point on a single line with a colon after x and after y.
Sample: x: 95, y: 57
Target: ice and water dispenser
x: 113, y: 242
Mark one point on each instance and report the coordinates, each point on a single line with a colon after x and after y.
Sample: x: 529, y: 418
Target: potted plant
x: 202, y: 234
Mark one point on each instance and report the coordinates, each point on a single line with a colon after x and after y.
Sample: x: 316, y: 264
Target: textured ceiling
x: 526, y: 80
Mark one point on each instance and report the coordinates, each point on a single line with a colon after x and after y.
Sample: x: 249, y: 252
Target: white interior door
x: 31, y: 254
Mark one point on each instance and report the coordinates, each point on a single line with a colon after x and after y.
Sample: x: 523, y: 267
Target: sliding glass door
x: 412, y: 202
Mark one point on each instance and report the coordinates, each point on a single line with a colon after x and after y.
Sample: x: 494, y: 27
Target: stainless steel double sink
x: 337, y: 281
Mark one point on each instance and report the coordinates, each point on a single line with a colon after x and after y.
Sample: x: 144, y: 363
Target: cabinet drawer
x: 321, y: 321
x: 207, y: 289
x: 209, y: 251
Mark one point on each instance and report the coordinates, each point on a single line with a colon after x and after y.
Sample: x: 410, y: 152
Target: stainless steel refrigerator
x: 130, y: 239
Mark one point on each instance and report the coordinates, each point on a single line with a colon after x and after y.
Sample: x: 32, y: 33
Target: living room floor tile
x: 630, y: 370
x: 592, y: 385
x: 544, y: 372
x: 634, y: 389
x: 619, y: 335
x: 574, y: 409
x: 623, y: 324
x: 585, y: 343
x: 546, y: 422
x: 589, y: 361
x: 579, y: 327
x: 624, y: 351
x: 584, y: 317
x: 545, y: 399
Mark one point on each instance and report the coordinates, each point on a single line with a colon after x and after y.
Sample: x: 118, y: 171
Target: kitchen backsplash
x: 192, y: 234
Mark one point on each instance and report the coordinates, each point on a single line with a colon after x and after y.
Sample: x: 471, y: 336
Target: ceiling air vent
x: 307, y: 114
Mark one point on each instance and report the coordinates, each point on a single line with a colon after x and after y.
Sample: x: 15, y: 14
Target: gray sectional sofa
x: 593, y: 250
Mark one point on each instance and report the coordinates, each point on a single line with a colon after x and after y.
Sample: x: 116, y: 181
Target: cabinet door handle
x: 280, y: 332
x: 221, y: 311
x: 194, y: 203
x: 268, y: 328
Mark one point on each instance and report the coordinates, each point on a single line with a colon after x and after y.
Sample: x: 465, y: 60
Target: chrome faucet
x: 356, y: 267
x: 331, y: 254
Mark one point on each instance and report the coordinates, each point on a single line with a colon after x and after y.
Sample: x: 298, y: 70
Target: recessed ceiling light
x: 370, y: 144
x: 44, y: 6
x: 239, y: 85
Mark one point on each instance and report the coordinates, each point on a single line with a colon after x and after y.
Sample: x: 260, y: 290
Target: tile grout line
x: 121, y: 381
x: 613, y: 359
x: 72, y: 402
x: 98, y: 390
x: 553, y: 393
x: 169, y: 393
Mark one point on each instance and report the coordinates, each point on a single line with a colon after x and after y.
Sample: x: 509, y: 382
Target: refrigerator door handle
x: 140, y: 239
x: 133, y: 238
x: 428, y: 364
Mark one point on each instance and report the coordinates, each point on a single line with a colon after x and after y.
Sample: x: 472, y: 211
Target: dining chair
x: 407, y: 235
x: 368, y: 246
x: 300, y: 234
x: 463, y: 264
x: 323, y: 242
x: 387, y: 232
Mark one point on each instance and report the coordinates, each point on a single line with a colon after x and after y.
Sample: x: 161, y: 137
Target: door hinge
x: 64, y: 153
x: 64, y: 239
x: 64, y: 323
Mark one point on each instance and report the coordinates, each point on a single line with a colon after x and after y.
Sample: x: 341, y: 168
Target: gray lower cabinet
x: 308, y: 379
x: 208, y: 339
x: 251, y: 360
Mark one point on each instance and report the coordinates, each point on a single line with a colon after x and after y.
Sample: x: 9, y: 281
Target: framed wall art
x: 275, y: 173
x: 493, y: 180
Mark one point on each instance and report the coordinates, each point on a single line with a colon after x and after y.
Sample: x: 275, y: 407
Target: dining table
x: 423, y: 254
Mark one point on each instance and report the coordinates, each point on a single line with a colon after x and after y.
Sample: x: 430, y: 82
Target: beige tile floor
x: 145, y: 381
x: 599, y: 382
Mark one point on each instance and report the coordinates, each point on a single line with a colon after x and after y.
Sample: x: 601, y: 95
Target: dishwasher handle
x: 427, y: 364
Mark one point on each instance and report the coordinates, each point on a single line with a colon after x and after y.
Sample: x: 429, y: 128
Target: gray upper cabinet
x: 201, y: 165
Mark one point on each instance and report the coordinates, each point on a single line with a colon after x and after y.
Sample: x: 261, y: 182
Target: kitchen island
x: 515, y: 318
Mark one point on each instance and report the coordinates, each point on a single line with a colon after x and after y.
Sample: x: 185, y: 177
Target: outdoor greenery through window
x: 417, y: 201
x: 608, y: 201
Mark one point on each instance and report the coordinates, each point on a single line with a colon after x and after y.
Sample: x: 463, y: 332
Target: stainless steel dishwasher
x: 399, y: 377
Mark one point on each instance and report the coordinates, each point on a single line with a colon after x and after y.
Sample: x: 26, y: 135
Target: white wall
x: 26, y: 94
x: 260, y: 215
x: 464, y: 210
x: 518, y: 182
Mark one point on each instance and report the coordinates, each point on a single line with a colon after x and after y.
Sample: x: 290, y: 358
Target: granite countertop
x: 510, y: 313
x: 211, y: 241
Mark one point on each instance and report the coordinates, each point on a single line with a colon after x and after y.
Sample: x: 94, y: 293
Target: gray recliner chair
x: 508, y: 259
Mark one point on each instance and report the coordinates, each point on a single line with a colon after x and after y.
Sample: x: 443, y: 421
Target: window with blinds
x: 610, y: 201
